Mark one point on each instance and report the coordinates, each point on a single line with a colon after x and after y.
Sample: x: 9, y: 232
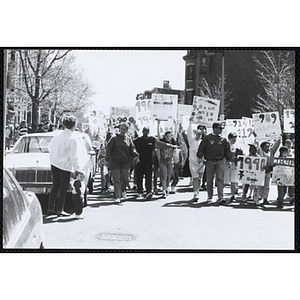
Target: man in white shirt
x: 63, y: 159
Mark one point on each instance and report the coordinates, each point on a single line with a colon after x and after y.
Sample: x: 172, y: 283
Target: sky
x: 117, y: 77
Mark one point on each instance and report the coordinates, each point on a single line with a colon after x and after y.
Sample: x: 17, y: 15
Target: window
x: 189, y: 96
x: 203, y: 65
x: 190, y: 72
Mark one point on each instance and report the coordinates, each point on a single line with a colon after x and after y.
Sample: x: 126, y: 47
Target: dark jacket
x: 214, y: 147
x: 120, y: 152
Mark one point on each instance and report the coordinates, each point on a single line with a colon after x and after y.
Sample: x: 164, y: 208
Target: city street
x: 173, y: 223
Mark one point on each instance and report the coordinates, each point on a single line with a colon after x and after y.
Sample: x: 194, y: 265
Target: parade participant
x: 282, y: 189
x: 104, y: 172
x: 231, y: 171
x: 204, y: 132
x: 8, y: 136
x: 166, y: 161
x: 78, y: 190
x: 291, y: 153
x: 215, y: 149
x: 63, y: 159
x: 177, y: 169
x: 196, y: 167
x: 266, y: 151
x: 120, y: 152
x: 254, y: 188
x: 96, y: 146
x: 145, y: 146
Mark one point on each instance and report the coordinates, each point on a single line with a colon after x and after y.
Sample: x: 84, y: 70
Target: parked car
x: 22, y: 216
x: 29, y: 162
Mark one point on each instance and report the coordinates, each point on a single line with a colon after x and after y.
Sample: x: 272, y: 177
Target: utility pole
x: 4, y: 96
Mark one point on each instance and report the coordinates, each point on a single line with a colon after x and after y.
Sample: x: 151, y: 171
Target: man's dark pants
x: 61, y: 182
x: 141, y: 169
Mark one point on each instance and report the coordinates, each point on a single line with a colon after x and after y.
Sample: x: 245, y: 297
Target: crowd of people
x: 208, y: 159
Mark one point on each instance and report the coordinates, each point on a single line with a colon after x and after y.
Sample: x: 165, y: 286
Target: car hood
x: 28, y: 160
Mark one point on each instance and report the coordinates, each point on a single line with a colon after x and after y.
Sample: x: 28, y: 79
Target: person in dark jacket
x: 120, y: 152
x: 215, y: 149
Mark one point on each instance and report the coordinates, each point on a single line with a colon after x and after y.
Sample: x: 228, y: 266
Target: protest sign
x: 251, y: 169
x: 121, y: 114
x: 205, y: 111
x: 267, y: 126
x: 289, y: 120
x: 184, y: 110
x: 283, y: 172
x: 143, y: 115
x: 164, y: 107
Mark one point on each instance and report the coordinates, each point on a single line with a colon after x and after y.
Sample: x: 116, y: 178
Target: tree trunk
x: 34, y: 115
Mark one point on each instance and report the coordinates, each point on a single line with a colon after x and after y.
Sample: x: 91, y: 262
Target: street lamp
x: 222, y: 115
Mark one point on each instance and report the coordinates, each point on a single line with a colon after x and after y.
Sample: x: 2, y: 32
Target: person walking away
x: 8, y: 136
x: 253, y: 188
x: 231, y: 172
x: 196, y: 166
x: 96, y: 146
x: 120, y: 152
x: 266, y: 151
x: 215, y: 149
x: 78, y: 190
x: 63, y: 156
x: 204, y: 132
x: 282, y: 189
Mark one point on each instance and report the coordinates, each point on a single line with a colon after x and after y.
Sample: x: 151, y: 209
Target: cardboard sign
x: 267, y: 126
x: 121, y: 114
x: 283, y: 172
x: 289, y: 120
x: 184, y: 110
x: 143, y: 115
x: 205, y: 111
x: 251, y: 169
x: 164, y: 107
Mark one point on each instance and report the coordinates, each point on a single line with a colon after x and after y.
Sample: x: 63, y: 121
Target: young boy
x: 282, y: 189
x: 78, y: 190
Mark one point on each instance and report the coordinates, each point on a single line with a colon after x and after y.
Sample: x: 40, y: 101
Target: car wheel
x: 91, y: 185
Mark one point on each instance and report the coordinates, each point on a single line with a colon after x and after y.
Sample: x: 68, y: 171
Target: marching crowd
x: 208, y: 159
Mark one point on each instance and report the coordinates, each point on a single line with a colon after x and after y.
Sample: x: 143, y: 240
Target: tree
x: 49, y: 78
x: 276, y: 71
x: 215, y: 92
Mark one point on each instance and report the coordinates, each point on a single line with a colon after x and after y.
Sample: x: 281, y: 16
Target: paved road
x: 173, y: 223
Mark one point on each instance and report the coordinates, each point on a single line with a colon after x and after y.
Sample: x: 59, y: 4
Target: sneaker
x: 81, y: 216
x: 173, y: 189
x: 149, y: 196
x: 196, y: 195
x: 118, y: 200
x: 64, y: 214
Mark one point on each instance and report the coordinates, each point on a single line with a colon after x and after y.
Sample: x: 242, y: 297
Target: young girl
x: 78, y: 190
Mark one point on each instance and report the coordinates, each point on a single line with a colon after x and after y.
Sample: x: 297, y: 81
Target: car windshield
x: 33, y: 144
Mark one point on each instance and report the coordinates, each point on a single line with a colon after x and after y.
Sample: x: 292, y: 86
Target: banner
x: 164, y: 107
x: 205, y: 111
x: 267, y: 126
x: 289, y: 120
x: 251, y: 169
x: 283, y: 172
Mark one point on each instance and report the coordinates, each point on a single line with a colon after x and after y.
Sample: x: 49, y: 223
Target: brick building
x: 241, y: 77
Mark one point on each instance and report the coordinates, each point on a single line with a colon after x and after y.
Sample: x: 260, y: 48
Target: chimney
x: 166, y: 84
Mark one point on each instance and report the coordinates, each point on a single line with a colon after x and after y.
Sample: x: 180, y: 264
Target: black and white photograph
x: 149, y: 150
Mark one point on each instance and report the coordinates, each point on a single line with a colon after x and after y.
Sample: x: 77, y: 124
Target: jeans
x: 215, y: 167
x: 61, y: 182
x: 77, y: 201
x: 263, y: 191
x: 176, y: 174
x: 282, y: 189
x: 142, y: 169
x: 120, y: 179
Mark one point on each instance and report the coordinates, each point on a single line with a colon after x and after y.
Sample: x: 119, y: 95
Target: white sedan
x: 29, y: 162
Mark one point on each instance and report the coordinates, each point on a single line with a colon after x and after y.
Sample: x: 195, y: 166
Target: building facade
x: 241, y: 81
